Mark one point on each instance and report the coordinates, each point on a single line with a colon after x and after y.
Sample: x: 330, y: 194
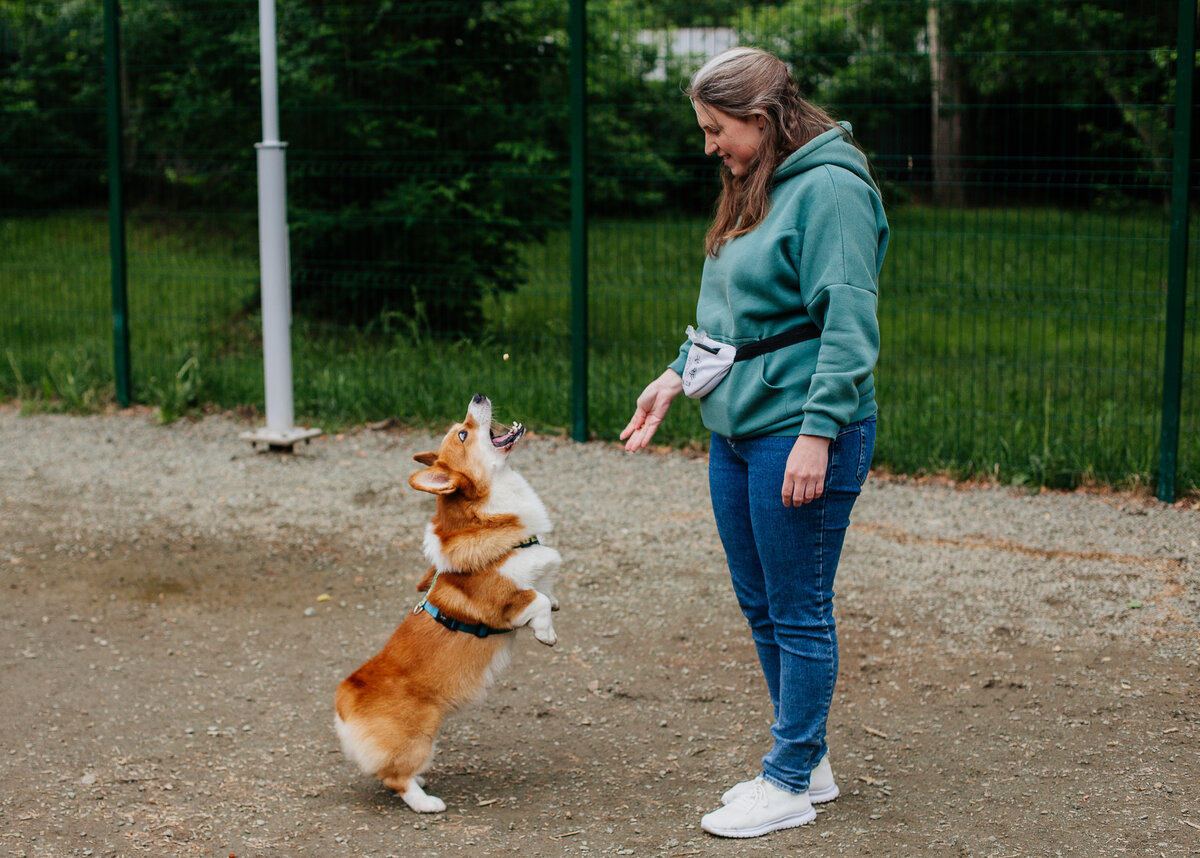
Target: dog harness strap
x: 424, y: 599
x: 807, y: 331
x: 533, y: 540
x: 479, y: 630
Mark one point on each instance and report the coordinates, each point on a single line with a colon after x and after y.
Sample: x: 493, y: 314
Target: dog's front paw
x: 543, y: 628
x: 537, y: 617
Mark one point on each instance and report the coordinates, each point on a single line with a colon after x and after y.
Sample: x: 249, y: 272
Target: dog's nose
x: 478, y: 398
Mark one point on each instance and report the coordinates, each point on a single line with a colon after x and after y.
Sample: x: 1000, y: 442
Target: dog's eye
x: 462, y: 436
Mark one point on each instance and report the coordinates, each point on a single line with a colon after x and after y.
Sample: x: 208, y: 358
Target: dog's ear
x: 426, y: 459
x: 435, y: 480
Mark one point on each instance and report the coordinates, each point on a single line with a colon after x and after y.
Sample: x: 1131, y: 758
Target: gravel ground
x: 1018, y: 672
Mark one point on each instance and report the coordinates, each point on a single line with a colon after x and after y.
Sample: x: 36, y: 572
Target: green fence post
x: 116, y: 203
x: 577, y: 72
x: 1177, y: 268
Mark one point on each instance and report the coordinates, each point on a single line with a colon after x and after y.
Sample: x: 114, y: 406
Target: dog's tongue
x: 504, y: 436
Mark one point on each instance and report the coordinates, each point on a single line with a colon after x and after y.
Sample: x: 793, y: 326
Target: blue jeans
x: 783, y: 561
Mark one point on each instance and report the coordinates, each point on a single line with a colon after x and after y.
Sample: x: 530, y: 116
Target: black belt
x: 807, y: 331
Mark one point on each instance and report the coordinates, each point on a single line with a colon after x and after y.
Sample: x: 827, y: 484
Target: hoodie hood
x: 833, y: 148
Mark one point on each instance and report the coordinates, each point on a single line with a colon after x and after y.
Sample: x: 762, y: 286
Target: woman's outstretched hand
x: 652, y: 407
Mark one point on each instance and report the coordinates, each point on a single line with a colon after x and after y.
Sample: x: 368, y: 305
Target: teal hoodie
x: 816, y: 257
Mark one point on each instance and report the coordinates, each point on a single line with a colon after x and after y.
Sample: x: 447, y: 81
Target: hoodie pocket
x: 786, y: 377
x: 759, y: 395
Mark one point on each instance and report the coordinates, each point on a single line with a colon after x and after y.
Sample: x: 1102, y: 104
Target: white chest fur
x: 530, y: 568
x: 510, y: 495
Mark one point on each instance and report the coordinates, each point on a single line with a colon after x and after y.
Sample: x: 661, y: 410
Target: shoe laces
x: 755, y: 796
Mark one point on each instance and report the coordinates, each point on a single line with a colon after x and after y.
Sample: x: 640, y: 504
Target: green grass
x: 1021, y: 343
x: 1028, y: 341
x: 187, y: 286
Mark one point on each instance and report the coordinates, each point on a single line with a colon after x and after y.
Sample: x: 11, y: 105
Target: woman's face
x: 734, y: 141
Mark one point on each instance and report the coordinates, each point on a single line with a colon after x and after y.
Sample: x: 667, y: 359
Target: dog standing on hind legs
x: 490, y: 575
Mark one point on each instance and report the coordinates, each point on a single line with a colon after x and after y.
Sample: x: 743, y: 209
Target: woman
x: 790, y: 279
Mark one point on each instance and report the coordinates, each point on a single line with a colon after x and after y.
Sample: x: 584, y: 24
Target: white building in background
x: 690, y: 46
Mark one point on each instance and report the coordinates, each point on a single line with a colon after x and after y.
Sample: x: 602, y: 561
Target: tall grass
x: 1021, y: 343
x: 1028, y: 342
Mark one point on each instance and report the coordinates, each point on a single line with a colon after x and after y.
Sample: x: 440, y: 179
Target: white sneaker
x: 821, y: 787
x: 758, y: 809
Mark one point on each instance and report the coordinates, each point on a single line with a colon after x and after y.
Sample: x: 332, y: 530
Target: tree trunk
x: 947, y: 94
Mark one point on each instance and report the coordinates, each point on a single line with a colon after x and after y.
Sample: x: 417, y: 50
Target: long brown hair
x: 744, y: 83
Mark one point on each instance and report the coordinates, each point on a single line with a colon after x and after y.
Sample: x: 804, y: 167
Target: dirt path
x: 1018, y: 673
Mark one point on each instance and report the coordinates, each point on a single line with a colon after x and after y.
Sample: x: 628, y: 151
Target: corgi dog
x: 490, y: 575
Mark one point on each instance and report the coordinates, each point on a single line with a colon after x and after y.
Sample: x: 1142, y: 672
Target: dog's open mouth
x: 503, y: 437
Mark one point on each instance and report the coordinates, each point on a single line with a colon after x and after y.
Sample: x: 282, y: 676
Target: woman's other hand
x: 652, y: 407
x: 804, y: 475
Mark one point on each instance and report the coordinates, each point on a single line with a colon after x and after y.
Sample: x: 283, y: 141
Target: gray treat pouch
x: 708, y: 362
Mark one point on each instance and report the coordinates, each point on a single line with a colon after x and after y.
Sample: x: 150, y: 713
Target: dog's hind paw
x: 546, y: 635
x: 416, y: 798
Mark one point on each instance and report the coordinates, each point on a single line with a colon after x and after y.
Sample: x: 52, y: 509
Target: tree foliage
x: 1071, y: 94
x: 428, y: 148
x: 51, y: 103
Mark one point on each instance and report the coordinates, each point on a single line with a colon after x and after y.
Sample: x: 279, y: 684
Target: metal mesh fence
x: 1025, y: 150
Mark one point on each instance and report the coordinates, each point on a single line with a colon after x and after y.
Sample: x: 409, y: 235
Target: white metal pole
x: 270, y: 78
x: 272, y: 237
x: 273, y: 248
x: 273, y: 253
